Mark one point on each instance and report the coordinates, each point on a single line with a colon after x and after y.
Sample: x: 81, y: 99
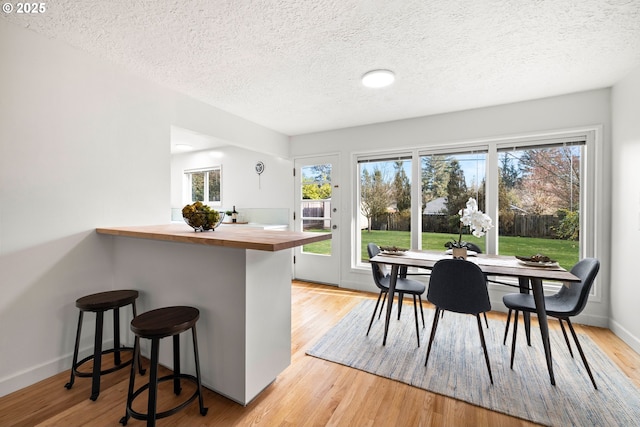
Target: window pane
x: 214, y: 185
x: 316, y: 205
x: 385, y: 203
x: 539, y: 202
x: 197, y: 187
x: 448, y: 180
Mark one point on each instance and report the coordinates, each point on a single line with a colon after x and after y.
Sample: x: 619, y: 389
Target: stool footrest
x: 142, y: 416
x: 78, y: 373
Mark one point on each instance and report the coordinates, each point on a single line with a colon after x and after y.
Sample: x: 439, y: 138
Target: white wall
x: 82, y: 145
x: 625, y: 211
x: 241, y: 185
x: 578, y: 110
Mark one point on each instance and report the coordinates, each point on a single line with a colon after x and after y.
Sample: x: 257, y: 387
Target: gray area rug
x: 457, y: 368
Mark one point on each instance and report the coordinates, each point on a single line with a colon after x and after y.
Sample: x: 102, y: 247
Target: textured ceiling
x: 295, y: 65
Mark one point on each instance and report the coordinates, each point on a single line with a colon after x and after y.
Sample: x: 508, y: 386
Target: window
x: 204, y: 185
x: 448, y: 180
x: 315, y: 205
x: 385, y: 202
x: 540, y: 199
x: 535, y: 189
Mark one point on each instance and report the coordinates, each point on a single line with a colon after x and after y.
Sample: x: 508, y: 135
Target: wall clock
x: 259, y: 169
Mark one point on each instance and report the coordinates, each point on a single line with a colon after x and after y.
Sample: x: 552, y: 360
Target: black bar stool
x: 99, y: 303
x: 155, y: 325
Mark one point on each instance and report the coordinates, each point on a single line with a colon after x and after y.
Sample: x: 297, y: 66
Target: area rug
x: 457, y: 368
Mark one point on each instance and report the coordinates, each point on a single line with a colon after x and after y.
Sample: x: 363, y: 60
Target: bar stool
x: 99, y: 303
x: 155, y: 325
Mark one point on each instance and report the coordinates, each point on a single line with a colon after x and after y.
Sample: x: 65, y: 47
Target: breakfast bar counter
x: 240, y: 280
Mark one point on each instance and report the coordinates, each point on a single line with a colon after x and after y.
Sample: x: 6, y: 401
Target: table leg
x: 524, y: 289
x: 538, y: 296
x: 392, y: 291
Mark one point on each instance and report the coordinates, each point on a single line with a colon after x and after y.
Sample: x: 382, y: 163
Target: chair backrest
x: 458, y: 285
x: 575, y: 295
x: 378, y: 270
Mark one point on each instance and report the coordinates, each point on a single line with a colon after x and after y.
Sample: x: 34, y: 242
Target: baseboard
x: 626, y: 336
x: 30, y: 376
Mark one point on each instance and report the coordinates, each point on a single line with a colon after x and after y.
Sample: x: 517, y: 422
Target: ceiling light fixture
x: 378, y: 78
x: 183, y: 147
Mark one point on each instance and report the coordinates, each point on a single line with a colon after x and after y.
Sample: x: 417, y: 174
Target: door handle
x: 335, y: 227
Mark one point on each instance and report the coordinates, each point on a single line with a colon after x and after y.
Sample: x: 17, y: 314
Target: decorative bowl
x: 202, y: 221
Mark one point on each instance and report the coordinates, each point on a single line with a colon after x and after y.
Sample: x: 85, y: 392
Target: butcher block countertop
x: 232, y: 237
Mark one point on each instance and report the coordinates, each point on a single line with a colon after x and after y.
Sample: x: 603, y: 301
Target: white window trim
x: 186, y: 189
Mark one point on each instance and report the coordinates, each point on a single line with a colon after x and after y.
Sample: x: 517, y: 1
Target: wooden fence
x: 519, y: 225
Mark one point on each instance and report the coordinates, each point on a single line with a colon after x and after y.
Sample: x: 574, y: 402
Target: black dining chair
x: 568, y: 302
x: 475, y: 248
x: 460, y: 286
x: 403, y: 286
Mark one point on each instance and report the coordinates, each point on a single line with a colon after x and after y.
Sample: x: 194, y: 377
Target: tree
x: 375, y: 194
x: 435, y: 177
x: 551, y: 179
x: 509, y: 174
x: 457, y: 194
x: 401, y: 188
x: 316, y: 182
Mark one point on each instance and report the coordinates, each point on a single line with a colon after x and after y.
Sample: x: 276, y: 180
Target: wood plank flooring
x: 310, y: 392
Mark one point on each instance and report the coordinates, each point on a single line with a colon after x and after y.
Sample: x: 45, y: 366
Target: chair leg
x: 374, y: 311
x: 506, y: 329
x: 384, y: 300
x: 485, y: 320
x: 566, y: 338
x: 116, y: 337
x: 415, y: 314
x: 584, y: 359
x: 421, y: 311
x: 177, y: 388
x: 140, y: 368
x: 484, y: 347
x: 75, y: 353
x: 203, y: 410
x: 434, y: 326
x: 132, y: 374
x: 153, y: 383
x: 515, y: 334
x: 400, y: 298
x: 97, y: 357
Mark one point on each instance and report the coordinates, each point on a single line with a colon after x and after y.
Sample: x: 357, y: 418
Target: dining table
x: 529, y: 275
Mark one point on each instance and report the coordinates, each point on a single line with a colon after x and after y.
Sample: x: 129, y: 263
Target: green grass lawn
x: 564, y: 251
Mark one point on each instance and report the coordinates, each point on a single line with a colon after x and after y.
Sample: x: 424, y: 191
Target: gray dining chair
x: 460, y: 286
x: 403, y: 286
x: 568, y: 302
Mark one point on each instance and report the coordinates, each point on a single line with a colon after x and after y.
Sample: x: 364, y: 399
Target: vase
x: 459, y: 253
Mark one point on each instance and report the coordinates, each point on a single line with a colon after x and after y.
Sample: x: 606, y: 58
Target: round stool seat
x: 164, y: 322
x: 106, y: 300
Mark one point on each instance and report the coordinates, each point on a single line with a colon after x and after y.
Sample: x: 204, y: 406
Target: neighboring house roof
x: 435, y: 206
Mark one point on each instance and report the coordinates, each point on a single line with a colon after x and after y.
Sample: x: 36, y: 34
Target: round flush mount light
x: 378, y: 78
x: 183, y: 147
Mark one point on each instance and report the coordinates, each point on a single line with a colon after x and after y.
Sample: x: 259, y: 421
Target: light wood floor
x: 309, y: 392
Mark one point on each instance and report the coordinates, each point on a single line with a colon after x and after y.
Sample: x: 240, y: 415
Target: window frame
x: 591, y: 186
x: 187, y: 179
